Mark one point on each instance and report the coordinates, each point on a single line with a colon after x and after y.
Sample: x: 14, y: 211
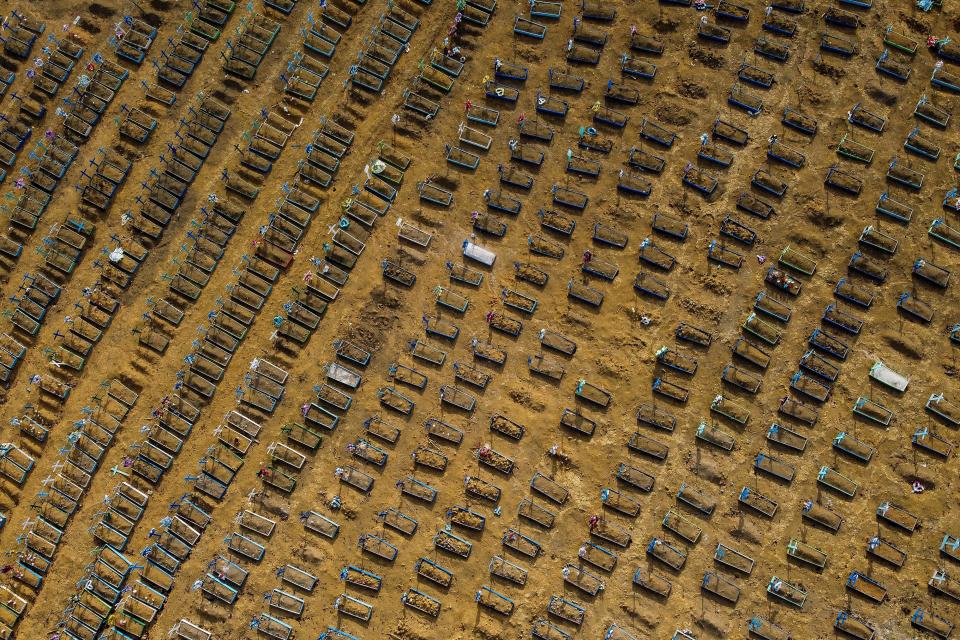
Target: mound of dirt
x: 705, y: 57
x: 904, y: 344
x: 691, y: 89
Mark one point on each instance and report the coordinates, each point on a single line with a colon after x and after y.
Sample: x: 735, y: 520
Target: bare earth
x: 616, y: 342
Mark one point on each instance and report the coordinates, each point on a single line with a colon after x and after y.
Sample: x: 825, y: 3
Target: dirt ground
x: 616, y: 342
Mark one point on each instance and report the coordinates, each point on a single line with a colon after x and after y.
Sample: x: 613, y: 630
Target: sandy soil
x: 615, y: 349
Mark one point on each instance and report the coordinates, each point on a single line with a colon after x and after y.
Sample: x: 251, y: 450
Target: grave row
x: 259, y: 391
x: 376, y: 60
x: 812, y: 382
x: 86, y: 444
x: 422, y: 98
x: 301, y: 317
x: 61, y: 493
x: 346, y: 245
x: 63, y: 248
x: 20, y: 32
x: 132, y: 39
x: 711, y: 581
